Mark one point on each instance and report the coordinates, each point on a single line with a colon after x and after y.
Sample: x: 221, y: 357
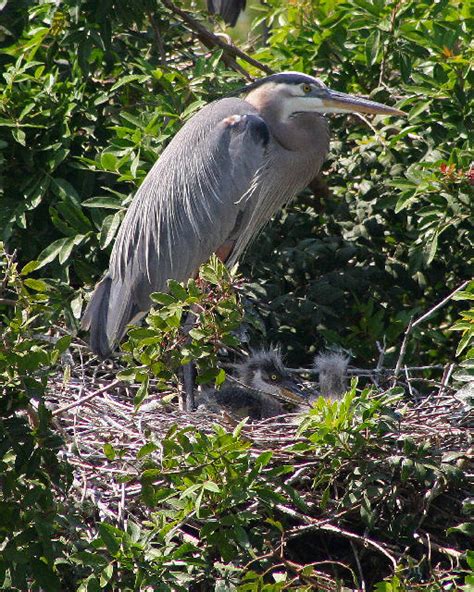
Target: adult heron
x: 223, y: 176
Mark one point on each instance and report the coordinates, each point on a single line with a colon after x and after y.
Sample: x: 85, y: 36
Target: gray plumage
x: 332, y: 370
x: 264, y: 389
x: 229, y: 10
x: 220, y: 180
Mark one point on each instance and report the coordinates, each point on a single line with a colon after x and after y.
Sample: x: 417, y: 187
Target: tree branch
x: 211, y: 40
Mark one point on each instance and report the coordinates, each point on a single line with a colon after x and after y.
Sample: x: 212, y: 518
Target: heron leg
x: 186, y: 397
x: 186, y: 402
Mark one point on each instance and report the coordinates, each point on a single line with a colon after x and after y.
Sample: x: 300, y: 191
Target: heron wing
x: 191, y: 202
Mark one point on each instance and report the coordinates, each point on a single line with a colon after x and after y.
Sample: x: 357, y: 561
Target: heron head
x: 293, y: 93
x: 264, y: 371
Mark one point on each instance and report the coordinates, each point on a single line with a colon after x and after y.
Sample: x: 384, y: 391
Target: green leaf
x: 264, y: 458
x: 111, y: 537
x: 51, y: 252
x: 141, y: 393
x: 372, y: 47
x: 109, y: 451
x: 106, y: 575
x: 29, y: 267
x: 466, y: 528
x: 63, y: 343
x: 68, y: 246
x: 418, y: 109
x: 108, y: 161
x: 108, y: 203
x: 147, y: 449
x: 45, y: 577
x: 220, y: 377
x: 38, y: 285
x: 211, y: 486
x: 19, y: 136
x: 177, y: 290
x: 130, y: 78
x: 163, y: 298
x: 109, y: 229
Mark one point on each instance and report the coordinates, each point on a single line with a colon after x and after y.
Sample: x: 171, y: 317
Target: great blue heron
x: 222, y: 177
x: 228, y: 9
x: 332, y: 370
x: 264, y: 389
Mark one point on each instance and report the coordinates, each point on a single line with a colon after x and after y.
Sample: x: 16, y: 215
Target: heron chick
x: 332, y: 370
x: 264, y: 389
x: 222, y: 177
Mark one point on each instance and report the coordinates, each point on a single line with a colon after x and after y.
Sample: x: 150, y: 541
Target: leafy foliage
x: 86, y: 108
x: 32, y: 473
x: 466, y: 324
x: 162, y: 348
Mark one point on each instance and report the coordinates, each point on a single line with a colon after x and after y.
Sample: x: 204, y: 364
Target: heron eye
x: 306, y: 88
x: 274, y: 377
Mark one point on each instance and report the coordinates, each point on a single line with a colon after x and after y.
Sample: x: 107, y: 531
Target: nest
x: 91, y: 408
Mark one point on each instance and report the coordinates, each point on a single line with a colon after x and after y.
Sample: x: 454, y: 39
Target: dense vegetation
x: 90, y: 94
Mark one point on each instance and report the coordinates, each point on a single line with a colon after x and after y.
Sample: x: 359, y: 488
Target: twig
x: 8, y: 302
x: 387, y: 44
x: 158, y: 38
x: 446, y: 376
x: 412, y: 324
x: 381, y: 359
x: 380, y: 139
x: 445, y: 550
x: 402, y: 351
x: 87, y: 398
x: 440, y: 304
x: 408, y: 382
x: 359, y: 567
x: 210, y: 38
x: 315, y: 525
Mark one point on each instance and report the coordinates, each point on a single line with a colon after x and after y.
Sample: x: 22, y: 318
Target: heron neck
x: 301, y: 132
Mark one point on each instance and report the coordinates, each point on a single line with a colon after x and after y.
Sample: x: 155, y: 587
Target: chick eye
x: 306, y: 88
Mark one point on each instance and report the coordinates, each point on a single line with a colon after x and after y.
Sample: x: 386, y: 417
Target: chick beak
x: 291, y: 392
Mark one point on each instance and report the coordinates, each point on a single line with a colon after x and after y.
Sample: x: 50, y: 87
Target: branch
x: 8, y: 302
x: 440, y: 304
x: 158, y: 39
x: 211, y: 40
x: 412, y: 324
x: 315, y: 525
x: 87, y: 398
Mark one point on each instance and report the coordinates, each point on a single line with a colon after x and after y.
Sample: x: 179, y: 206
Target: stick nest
x: 94, y: 411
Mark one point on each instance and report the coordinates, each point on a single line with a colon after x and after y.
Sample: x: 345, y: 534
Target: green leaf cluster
x: 189, y: 323
x: 34, y: 476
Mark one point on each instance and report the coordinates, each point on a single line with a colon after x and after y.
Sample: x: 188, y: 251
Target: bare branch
x: 211, y: 40
x: 87, y: 398
x: 440, y: 304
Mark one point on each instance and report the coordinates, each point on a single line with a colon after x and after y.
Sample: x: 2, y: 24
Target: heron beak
x: 337, y: 102
x: 292, y: 392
